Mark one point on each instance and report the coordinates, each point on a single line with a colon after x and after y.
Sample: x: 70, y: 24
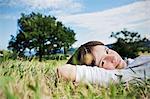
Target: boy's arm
x: 67, y: 72
x: 86, y: 74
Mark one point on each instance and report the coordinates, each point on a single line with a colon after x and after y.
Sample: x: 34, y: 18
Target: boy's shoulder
x: 139, y: 61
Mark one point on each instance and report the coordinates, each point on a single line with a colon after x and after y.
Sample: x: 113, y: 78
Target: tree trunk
x: 40, y: 53
x: 40, y: 48
x: 65, y: 50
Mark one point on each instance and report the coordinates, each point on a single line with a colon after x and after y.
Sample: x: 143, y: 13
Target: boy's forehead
x: 99, y: 48
x: 99, y: 52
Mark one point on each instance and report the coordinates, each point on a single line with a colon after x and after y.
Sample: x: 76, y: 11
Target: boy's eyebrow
x: 106, y: 49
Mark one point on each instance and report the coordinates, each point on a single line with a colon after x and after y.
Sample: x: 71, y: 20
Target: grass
x: 37, y: 80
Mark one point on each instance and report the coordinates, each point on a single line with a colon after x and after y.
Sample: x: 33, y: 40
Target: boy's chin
x: 110, y: 68
x: 122, y: 65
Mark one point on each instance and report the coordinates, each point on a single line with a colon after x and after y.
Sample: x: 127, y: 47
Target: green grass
x: 37, y: 80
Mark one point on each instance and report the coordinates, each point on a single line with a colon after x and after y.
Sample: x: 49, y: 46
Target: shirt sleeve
x: 95, y: 75
x: 101, y: 76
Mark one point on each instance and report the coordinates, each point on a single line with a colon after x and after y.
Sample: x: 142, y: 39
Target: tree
x: 42, y: 33
x: 128, y: 43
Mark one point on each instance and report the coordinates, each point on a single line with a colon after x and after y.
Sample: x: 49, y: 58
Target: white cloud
x: 99, y: 25
x: 52, y: 4
x: 70, y: 6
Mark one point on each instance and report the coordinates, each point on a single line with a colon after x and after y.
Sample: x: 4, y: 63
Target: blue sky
x: 90, y: 19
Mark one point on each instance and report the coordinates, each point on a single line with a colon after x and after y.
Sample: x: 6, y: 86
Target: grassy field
x: 37, y: 80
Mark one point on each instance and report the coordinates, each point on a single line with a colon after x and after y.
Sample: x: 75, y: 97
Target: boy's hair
x: 83, y: 55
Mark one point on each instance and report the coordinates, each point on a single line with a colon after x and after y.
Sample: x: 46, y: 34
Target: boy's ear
x: 88, y: 58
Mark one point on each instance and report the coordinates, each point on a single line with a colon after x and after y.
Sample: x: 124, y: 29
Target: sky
x: 90, y: 19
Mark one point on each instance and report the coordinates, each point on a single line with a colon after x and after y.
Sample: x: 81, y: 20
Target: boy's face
x: 107, y: 58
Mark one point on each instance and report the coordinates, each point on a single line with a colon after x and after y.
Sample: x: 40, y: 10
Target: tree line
x: 129, y: 44
x: 45, y: 35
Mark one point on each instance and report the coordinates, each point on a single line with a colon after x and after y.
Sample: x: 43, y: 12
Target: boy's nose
x: 110, y: 60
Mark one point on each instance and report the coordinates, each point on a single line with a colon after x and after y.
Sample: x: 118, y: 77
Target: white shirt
x: 101, y: 76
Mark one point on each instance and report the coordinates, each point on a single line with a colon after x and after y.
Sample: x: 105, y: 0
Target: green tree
x: 44, y: 34
x: 128, y: 43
